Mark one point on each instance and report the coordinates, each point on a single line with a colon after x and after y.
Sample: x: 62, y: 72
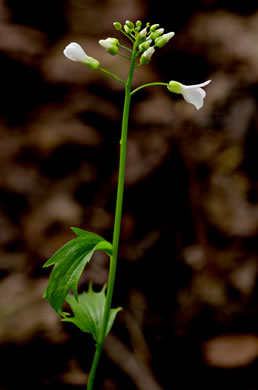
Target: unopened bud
x: 75, y: 52
x: 110, y: 45
x: 154, y: 27
x: 130, y: 25
x: 141, y: 36
x: 118, y: 26
x: 156, y: 34
x: 146, y: 56
x: 138, y: 24
x: 127, y: 29
x: 161, y: 41
x: 145, y: 45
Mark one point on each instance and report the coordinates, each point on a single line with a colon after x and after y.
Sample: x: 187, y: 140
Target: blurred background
x: 187, y: 272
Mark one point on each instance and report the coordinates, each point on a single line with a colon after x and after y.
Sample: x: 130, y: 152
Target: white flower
x: 193, y: 94
x: 75, y: 52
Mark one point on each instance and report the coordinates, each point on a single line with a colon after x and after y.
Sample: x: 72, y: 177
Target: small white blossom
x: 193, y: 94
x: 75, y: 52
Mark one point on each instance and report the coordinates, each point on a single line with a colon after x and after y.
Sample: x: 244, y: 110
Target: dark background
x: 187, y: 272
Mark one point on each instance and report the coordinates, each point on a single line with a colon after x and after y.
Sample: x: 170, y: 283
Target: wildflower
x: 75, y: 52
x: 193, y: 94
x: 110, y: 45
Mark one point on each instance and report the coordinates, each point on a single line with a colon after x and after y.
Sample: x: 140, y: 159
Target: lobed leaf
x: 69, y: 263
x: 88, y: 312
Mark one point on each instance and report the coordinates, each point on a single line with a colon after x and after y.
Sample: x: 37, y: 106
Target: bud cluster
x: 146, y: 38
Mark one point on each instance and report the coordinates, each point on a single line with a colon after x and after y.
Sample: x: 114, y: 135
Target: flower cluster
x: 145, y: 40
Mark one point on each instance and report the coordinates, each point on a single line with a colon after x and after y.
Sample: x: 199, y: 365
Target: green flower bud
x: 154, y: 27
x: 161, y: 41
x: 130, y: 25
x: 145, y: 45
x: 127, y: 29
x: 156, y: 34
x: 138, y: 24
x: 118, y: 26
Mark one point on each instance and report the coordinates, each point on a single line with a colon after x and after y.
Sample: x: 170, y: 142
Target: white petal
x: 105, y: 44
x: 194, y: 96
x: 197, y: 85
x: 75, y: 52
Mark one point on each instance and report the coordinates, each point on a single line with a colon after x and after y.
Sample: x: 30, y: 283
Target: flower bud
x: 110, y: 45
x: 154, y: 27
x: 75, y: 52
x: 118, y: 26
x: 130, y: 25
x: 138, y: 24
x: 143, y: 33
x: 145, y: 45
x: 141, y: 36
x: 161, y: 41
x: 156, y: 34
x: 146, y: 56
x: 127, y: 29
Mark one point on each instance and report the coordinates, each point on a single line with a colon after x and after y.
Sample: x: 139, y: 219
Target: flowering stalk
x: 117, y: 224
x: 92, y: 311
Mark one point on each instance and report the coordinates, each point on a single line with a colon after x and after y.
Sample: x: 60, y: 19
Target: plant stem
x: 112, y: 75
x: 117, y: 223
x: 122, y: 55
x: 126, y: 48
x: 148, y: 85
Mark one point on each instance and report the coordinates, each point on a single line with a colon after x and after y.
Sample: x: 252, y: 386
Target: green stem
x: 117, y: 223
x: 128, y: 36
x: 126, y: 48
x: 112, y: 75
x: 148, y: 85
x: 122, y: 55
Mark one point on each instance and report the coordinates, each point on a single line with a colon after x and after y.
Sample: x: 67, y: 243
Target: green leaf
x: 88, y: 312
x: 69, y: 263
